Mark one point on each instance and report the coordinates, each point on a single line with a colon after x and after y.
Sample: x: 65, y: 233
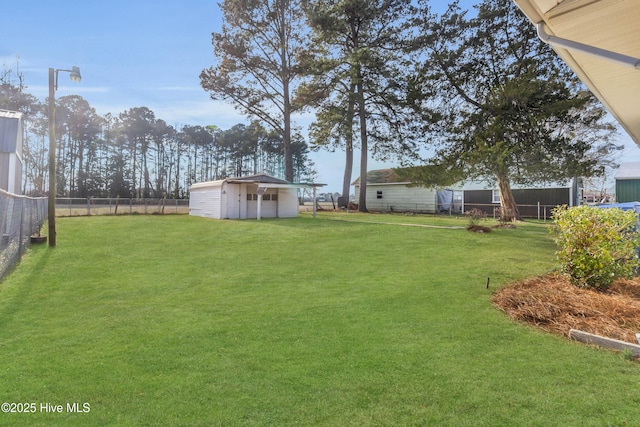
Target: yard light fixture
x: 74, y: 74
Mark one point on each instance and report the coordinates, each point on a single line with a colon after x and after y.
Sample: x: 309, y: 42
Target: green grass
x: 176, y: 320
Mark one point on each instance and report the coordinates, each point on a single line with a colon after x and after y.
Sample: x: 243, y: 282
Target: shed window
x: 379, y: 194
x: 495, y: 196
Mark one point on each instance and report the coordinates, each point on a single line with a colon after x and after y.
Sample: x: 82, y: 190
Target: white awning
x: 608, y: 26
x: 266, y: 185
x: 293, y: 185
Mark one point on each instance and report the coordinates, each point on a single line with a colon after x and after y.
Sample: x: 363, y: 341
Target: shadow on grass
x: 24, y: 285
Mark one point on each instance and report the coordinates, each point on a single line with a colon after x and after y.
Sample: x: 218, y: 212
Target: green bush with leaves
x: 596, y: 246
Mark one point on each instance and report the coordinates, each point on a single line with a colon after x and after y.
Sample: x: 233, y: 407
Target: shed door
x: 270, y: 203
x: 252, y: 201
x: 233, y: 201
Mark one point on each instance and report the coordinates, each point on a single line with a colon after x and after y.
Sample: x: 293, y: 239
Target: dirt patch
x: 479, y: 229
x: 553, y: 304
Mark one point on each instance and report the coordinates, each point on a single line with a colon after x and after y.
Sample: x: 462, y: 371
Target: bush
x: 475, y: 217
x: 596, y: 246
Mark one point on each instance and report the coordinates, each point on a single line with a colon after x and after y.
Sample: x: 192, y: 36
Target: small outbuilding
x: 388, y: 192
x: 628, y: 182
x: 534, y: 201
x: 249, y: 197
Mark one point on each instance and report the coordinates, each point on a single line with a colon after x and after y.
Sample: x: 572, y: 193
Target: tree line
x: 456, y: 94
x: 477, y: 91
x: 135, y: 154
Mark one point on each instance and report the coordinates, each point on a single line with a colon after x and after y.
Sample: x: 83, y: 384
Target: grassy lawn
x: 176, y: 320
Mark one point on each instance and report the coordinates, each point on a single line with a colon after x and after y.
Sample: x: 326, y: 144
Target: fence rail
x: 538, y: 211
x: 119, y: 206
x: 20, y: 218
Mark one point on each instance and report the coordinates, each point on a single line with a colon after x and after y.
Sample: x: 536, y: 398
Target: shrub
x: 596, y: 246
x: 475, y: 217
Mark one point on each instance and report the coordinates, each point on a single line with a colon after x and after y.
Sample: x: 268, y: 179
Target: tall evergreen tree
x: 358, y: 75
x: 506, y: 107
x: 259, y: 51
x: 136, y: 129
x: 79, y: 127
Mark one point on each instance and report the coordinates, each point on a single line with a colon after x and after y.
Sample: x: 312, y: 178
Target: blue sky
x: 130, y: 53
x: 134, y: 53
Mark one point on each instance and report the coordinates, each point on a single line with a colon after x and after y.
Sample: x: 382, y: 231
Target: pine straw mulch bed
x: 553, y: 304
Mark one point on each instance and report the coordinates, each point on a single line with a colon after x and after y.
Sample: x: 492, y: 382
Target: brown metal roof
x: 382, y: 176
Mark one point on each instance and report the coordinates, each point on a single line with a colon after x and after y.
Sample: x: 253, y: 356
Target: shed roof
x: 608, y: 25
x: 628, y: 171
x: 10, y: 114
x: 259, y: 178
x: 263, y: 180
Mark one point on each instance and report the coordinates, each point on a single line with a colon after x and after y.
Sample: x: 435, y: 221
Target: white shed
x: 256, y: 196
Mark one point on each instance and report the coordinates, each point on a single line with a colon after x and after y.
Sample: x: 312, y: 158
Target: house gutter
x: 554, y: 41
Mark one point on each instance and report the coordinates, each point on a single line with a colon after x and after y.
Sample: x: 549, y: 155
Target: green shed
x: 628, y: 183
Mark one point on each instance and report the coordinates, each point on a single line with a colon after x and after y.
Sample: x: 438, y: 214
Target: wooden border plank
x: 611, y: 343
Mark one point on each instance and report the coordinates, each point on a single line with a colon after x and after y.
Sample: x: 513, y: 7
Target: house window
x: 266, y: 197
x: 495, y: 196
x: 249, y: 197
x: 379, y: 194
x: 274, y: 197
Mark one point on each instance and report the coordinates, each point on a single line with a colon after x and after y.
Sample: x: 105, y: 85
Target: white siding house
x: 386, y: 192
x: 250, y: 197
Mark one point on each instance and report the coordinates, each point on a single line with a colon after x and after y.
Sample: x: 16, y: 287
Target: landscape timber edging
x: 611, y: 343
